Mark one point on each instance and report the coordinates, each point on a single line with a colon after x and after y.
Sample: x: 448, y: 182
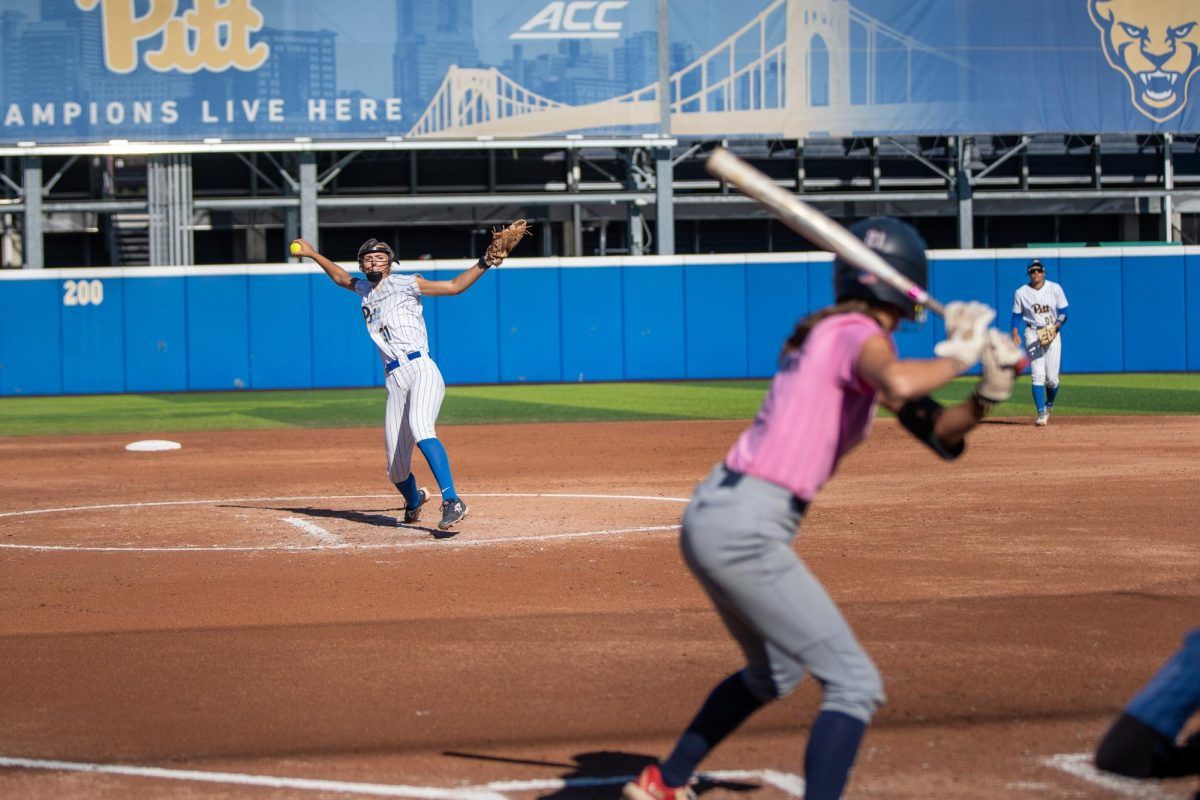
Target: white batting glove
x: 1001, y: 356
x: 966, y: 329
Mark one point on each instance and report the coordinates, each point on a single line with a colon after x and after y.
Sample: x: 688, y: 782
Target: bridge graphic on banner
x: 755, y: 82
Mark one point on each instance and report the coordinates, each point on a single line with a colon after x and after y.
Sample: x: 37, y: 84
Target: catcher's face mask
x: 375, y: 260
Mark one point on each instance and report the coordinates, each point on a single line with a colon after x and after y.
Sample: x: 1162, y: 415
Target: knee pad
x: 1050, y: 385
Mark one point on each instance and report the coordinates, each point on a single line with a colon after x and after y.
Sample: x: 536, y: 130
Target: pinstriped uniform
x: 395, y: 320
x: 393, y: 313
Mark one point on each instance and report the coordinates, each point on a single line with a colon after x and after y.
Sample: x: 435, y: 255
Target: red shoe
x: 650, y: 786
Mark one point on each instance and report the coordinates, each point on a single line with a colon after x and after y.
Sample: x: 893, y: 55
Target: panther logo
x: 1156, y: 44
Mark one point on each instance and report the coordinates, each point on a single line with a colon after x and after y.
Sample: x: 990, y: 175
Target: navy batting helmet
x: 902, y: 247
x: 375, y: 246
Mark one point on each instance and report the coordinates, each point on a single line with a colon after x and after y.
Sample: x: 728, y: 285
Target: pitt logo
x: 1155, y: 44
x: 576, y: 19
x: 212, y: 35
x: 875, y: 239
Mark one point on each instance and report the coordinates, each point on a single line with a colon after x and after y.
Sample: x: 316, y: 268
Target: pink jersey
x: 818, y: 409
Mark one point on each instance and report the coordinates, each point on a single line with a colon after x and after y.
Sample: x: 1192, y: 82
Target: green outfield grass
x: 1174, y: 393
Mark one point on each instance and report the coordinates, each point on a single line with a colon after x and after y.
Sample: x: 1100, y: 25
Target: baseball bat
x: 813, y: 225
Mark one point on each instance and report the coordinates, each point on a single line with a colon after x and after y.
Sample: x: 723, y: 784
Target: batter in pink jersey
x: 835, y: 368
x: 818, y: 409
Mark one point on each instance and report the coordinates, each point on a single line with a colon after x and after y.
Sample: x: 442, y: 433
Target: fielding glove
x: 503, y: 242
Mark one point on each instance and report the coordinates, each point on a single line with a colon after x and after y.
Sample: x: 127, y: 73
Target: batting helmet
x: 902, y: 247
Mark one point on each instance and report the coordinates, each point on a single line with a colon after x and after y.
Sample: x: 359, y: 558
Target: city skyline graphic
x: 467, y: 68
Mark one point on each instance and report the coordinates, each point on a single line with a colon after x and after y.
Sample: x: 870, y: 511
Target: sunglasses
x: 1036, y: 270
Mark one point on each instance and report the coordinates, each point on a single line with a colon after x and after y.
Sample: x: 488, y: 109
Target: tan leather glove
x: 503, y: 242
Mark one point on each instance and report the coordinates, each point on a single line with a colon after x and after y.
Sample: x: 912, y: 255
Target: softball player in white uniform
x: 1040, y: 304
x: 391, y: 307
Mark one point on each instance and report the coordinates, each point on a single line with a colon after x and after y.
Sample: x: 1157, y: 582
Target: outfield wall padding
x: 151, y: 329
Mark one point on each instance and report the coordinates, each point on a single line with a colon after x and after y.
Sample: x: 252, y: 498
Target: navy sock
x: 439, y: 463
x: 832, y: 746
x: 1039, y: 398
x: 408, y: 488
x: 1051, y: 393
x: 726, y: 708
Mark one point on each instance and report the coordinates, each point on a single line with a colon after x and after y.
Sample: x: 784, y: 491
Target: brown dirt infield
x: 1013, y: 601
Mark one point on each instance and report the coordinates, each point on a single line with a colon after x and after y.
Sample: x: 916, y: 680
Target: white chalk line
x: 314, y: 530
x: 1077, y: 764
x: 495, y: 790
x: 440, y: 544
x: 271, y: 781
x: 160, y: 503
x: 1080, y: 766
x: 328, y: 540
x: 785, y: 781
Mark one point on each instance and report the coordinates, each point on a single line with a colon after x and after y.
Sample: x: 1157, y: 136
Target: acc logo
x: 212, y: 34
x: 573, y: 19
x: 1155, y: 44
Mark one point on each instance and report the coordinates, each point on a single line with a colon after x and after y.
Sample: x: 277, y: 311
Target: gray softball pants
x: 737, y: 535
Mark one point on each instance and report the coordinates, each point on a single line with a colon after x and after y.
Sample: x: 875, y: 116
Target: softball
x: 295, y: 248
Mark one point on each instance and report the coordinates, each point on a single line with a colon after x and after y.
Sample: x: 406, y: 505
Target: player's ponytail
x: 805, y: 326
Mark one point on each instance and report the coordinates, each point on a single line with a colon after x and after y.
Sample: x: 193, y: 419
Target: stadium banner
x: 251, y: 70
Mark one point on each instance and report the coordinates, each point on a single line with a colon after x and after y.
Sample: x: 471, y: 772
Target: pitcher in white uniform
x: 1040, y: 304
x: 391, y: 308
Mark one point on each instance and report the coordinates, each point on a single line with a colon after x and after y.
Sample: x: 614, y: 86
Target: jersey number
x: 368, y: 315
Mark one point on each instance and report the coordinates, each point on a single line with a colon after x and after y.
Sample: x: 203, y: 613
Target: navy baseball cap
x: 1033, y: 266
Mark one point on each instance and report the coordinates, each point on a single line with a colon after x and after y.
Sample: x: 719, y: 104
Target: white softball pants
x: 415, y: 393
x: 1044, y: 362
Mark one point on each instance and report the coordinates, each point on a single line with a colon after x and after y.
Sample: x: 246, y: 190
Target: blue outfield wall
x: 76, y: 331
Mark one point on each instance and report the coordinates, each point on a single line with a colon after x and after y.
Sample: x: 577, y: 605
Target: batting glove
x: 966, y: 333
x: 1000, y: 359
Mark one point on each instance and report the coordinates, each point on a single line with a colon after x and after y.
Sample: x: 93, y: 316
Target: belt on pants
x: 733, y: 478
x: 394, y: 363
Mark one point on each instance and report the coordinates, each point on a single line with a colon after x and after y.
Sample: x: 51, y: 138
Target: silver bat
x: 813, y: 225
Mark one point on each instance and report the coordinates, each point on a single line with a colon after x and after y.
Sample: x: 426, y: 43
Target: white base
x: 152, y: 446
